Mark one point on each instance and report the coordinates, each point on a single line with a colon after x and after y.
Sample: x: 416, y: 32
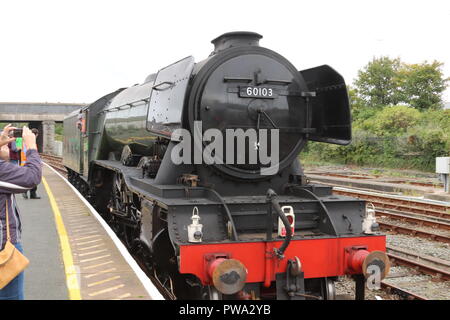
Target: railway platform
x: 73, y: 254
x: 385, y: 185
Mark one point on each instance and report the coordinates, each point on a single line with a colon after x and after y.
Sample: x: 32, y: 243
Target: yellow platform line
x: 70, y: 270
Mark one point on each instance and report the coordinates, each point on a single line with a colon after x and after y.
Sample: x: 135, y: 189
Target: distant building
x: 447, y: 105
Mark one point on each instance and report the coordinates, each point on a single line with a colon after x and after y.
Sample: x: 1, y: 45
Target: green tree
x: 59, y: 129
x: 385, y: 81
x: 421, y: 85
x: 357, y: 105
x: 377, y: 83
x: 392, y: 120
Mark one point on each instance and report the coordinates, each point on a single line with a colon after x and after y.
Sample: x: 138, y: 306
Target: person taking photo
x: 15, y: 179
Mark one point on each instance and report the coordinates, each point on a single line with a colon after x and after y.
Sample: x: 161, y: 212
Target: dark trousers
x: 32, y: 192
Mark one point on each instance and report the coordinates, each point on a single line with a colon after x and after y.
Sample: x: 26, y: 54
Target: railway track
x: 400, y: 204
x: 438, y: 268
x: 362, y: 177
x: 426, y: 219
x: 404, y: 293
x: 55, y: 162
x: 413, y: 231
x: 419, y: 264
x: 421, y: 220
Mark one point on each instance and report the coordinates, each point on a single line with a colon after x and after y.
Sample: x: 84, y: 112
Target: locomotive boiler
x: 247, y: 224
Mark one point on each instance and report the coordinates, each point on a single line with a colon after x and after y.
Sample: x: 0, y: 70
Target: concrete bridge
x: 41, y: 116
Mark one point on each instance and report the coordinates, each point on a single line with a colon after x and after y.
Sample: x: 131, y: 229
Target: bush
x: 395, y: 136
x: 392, y: 120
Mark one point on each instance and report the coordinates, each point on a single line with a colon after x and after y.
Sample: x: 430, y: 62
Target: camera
x: 17, y: 133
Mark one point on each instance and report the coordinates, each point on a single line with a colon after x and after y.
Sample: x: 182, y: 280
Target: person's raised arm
x: 14, y: 179
x: 4, y: 136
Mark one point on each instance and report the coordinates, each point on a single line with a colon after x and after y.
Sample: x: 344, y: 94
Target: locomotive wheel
x: 116, y: 226
x: 130, y: 236
x: 122, y: 201
x: 193, y: 289
x: 212, y: 294
x: 329, y: 289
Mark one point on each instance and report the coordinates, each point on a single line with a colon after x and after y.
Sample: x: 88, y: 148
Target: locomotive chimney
x: 235, y: 39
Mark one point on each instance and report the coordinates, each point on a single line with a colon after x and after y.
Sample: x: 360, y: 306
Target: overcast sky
x: 77, y: 51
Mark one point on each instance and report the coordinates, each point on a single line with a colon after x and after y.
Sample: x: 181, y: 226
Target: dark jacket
x: 15, y: 179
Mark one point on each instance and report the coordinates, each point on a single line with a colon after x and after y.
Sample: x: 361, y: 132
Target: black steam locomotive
x: 237, y: 226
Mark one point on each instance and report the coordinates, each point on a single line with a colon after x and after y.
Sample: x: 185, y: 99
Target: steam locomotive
x: 232, y: 225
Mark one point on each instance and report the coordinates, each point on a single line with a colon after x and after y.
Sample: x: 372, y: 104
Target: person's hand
x: 4, y: 153
x: 4, y: 137
x: 29, y: 138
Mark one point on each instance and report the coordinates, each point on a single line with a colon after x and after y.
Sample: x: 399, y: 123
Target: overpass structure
x: 41, y: 116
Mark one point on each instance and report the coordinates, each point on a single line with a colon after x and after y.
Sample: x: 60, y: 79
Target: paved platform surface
x: 44, y: 278
x: 71, y: 255
x: 440, y: 196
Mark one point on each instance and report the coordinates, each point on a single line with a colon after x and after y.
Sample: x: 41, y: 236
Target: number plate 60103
x: 257, y: 92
